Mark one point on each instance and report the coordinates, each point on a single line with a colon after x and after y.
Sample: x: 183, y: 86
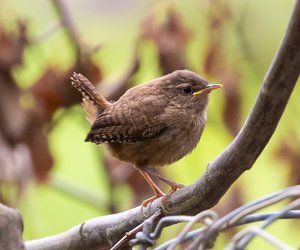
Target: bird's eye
x: 187, y: 90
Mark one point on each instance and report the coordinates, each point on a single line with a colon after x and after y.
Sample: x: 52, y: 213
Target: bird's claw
x: 149, y: 201
x: 167, y: 196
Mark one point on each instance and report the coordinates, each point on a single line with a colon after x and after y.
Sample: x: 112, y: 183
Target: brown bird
x: 151, y: 125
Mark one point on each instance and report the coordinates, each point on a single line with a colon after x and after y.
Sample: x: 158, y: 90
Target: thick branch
x: 11, y: 228
x: 238, y: 157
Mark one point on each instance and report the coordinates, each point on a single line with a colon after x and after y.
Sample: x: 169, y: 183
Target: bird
x: 151, y: 125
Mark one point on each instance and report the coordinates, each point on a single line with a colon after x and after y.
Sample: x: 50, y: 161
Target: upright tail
x: 93, y: 102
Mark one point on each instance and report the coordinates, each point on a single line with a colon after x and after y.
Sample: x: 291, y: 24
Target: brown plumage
x: 151, y: 125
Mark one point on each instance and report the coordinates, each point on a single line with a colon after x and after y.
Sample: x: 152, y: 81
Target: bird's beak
x: 208, y: 88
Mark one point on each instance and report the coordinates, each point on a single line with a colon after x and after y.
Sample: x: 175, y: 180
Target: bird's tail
x: 92, y: 101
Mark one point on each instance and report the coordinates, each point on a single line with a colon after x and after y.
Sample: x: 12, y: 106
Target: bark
x: 11, y: 228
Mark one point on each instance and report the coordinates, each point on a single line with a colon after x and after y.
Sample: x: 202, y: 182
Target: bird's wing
x: 130, y: 120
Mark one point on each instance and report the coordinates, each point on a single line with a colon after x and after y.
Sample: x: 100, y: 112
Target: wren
x: 151, y: 125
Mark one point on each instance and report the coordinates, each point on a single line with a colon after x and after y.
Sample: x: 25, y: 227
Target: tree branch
x: 11, y: 228
x: 66, y: 21
x: 239, y: 156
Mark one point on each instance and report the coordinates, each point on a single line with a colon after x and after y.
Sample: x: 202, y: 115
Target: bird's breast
x: 175, y: 142
x: 184, y: 138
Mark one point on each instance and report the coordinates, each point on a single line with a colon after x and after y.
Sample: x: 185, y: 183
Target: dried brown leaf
x: 170, y: 39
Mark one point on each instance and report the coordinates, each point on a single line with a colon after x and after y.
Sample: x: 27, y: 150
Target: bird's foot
x: 175, y: 187
x: 165, y: 199
x: 149, y: 201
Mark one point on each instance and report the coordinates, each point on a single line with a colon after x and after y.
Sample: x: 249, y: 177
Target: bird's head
x: 187, y: 90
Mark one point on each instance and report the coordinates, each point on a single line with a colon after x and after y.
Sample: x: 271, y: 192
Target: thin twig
x: 132, y: 232
x: 80, y: 193
x: 67, y: 23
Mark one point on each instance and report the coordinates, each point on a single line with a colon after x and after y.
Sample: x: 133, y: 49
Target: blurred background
x: 57, y: 180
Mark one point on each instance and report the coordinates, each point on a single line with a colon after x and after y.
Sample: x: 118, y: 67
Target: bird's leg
x: 175, y: 186
x: 157, y: 192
